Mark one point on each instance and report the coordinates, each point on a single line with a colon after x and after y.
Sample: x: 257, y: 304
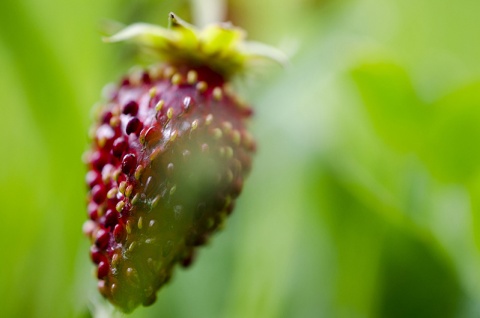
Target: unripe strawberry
x: 169, y: 156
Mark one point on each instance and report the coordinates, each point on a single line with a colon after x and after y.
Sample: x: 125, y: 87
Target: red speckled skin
x: 168, y: 159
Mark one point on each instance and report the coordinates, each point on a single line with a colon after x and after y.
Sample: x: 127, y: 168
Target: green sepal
x: 220, y: 46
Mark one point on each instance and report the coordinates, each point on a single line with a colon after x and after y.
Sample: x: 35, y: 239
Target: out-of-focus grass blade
x: 46, y: 132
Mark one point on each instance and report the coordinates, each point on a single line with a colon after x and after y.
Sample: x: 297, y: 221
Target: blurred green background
x: 364, y: 200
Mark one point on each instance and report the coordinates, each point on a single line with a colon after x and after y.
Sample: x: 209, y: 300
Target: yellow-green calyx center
x: 222, y: 47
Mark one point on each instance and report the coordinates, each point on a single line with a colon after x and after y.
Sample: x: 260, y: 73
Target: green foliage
x: 387, y: 266
x: 364, y: 198
x: 451, y: 147
x: 413, y: 277
x: 444, y: 133
x: 394, y: 106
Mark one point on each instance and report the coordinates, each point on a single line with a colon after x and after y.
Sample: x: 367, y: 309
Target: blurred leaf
x: 357, y: 234
x: 444, y: 134
x: 397, y: 113
x: 386, y: 267
x: 415, y: 280
x: 474, y: 191
x: 452, y: 150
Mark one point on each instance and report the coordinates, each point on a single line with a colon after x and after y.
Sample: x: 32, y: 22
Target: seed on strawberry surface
x: 131, y: 108
x: 134, y: 125
x: 119, y: 233
x: 128, y: 163
x: 119, y: 146
x: 102, y: 240
x: 103, y: 269
x: 98, y: 194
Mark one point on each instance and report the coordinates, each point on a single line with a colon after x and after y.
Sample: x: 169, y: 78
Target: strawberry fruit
x: 169, y: 156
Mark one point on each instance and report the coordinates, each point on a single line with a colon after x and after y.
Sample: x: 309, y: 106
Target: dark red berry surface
x: 169, y: 156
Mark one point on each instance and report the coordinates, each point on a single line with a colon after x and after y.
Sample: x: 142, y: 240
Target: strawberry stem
x: 208, y: 11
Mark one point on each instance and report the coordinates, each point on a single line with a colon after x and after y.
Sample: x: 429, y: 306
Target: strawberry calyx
x: 221, y: 46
